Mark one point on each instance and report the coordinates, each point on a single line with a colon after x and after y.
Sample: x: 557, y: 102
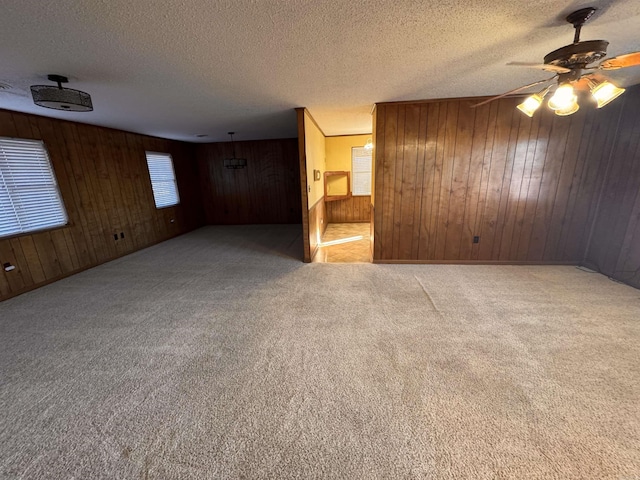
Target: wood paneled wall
x: 267, y: 190
x: 349, y: 210
x: 105, y: 186
x: 527, y: 187
x: 614, y: 248
x: 317, y: 225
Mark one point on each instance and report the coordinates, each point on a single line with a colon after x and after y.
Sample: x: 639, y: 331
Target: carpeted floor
x: 220, y: 355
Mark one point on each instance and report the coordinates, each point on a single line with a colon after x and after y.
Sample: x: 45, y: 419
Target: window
x: 29, y: 195
x: 163, y: 179
x: 361, y: 169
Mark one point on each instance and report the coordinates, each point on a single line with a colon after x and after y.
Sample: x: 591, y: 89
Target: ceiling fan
x: 574, y: 67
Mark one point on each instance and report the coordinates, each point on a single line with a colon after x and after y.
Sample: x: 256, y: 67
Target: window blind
x: 163, y: 179
x: 29, y: 195
x: 361, y: 170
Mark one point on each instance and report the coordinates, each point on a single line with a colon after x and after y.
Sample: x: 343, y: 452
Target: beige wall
x: 315, y: 153
x: 338, y: 150
x: 338, y: 155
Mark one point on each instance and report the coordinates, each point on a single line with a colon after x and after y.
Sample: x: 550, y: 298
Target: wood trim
x: 452, y: 99
x: 302, y: 155
x: 348, y: 135
x: 312, y: 119
x: 333, y: 198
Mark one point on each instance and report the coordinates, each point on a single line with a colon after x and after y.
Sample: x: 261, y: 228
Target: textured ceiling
x: 180, y: 68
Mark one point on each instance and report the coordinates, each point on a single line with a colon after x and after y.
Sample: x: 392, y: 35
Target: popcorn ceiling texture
x: 180, y: 68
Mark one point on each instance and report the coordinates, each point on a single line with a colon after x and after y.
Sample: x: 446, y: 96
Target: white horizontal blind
x: 163, y: 179
x: 361, y: 169
x: 29, y: 195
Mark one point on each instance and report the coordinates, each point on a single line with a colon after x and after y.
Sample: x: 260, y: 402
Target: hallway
x: 345, y: 243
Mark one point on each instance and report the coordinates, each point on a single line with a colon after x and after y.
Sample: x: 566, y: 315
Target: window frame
x: 174, y: 179
x: 52, y: 182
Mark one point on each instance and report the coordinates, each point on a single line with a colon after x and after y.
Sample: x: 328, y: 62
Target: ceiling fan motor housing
x: 578, y: 55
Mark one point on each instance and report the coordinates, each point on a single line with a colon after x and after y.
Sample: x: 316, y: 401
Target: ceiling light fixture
x: 563, y: 98
x: 604, y: 92
x: 60, y: 98
x: 234, y: 162
x: 572, y: 108
x: 573, y: 66
x: 533, y: 102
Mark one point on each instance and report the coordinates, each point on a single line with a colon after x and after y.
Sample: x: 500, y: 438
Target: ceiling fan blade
x: 621, y: 61
x: 542, y: 66
x: 515, y: 90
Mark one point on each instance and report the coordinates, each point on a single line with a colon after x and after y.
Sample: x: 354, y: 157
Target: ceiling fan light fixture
x: 605, y: 92
x: 564, y: 98
x: 568, y: 111
x: 530, y: 105
x: 533, y: 102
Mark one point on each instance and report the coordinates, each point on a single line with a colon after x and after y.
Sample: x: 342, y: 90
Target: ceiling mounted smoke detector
x: 60, y: 98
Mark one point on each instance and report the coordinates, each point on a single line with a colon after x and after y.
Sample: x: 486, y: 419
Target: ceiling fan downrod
x: 578, y: 19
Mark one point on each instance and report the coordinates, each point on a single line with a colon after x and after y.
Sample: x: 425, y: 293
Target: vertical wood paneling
x: 475, y: 175
x: 317, y: 225
x: 349, y: 210
x: 105, y: 186
x: 409, y: 183
x: 378, y: 177
x: 528, y: 187
x: 459, y: 180
x: 614, y: 248
x: 267, y: 190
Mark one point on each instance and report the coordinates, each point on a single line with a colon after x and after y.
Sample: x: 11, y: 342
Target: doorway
x: 336, y: 183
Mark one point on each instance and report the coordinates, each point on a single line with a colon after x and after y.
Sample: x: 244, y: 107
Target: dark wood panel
x: 105, y: 186
x: 614, y: 247
x: 267, y: 190
x: 527, y: 187
x: 349, y: 210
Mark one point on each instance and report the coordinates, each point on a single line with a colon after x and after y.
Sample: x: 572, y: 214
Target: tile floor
x: 355, y: 246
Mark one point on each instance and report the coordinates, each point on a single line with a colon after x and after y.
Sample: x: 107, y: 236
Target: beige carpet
x: 220, y: 355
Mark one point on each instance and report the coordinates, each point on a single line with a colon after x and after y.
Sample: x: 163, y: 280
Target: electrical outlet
x: 121, y: 234
x: 115, y: 236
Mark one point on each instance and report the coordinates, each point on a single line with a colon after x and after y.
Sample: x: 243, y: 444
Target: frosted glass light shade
x: 530, y: 105
x: 605, y: 93
x: 564, y: 98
